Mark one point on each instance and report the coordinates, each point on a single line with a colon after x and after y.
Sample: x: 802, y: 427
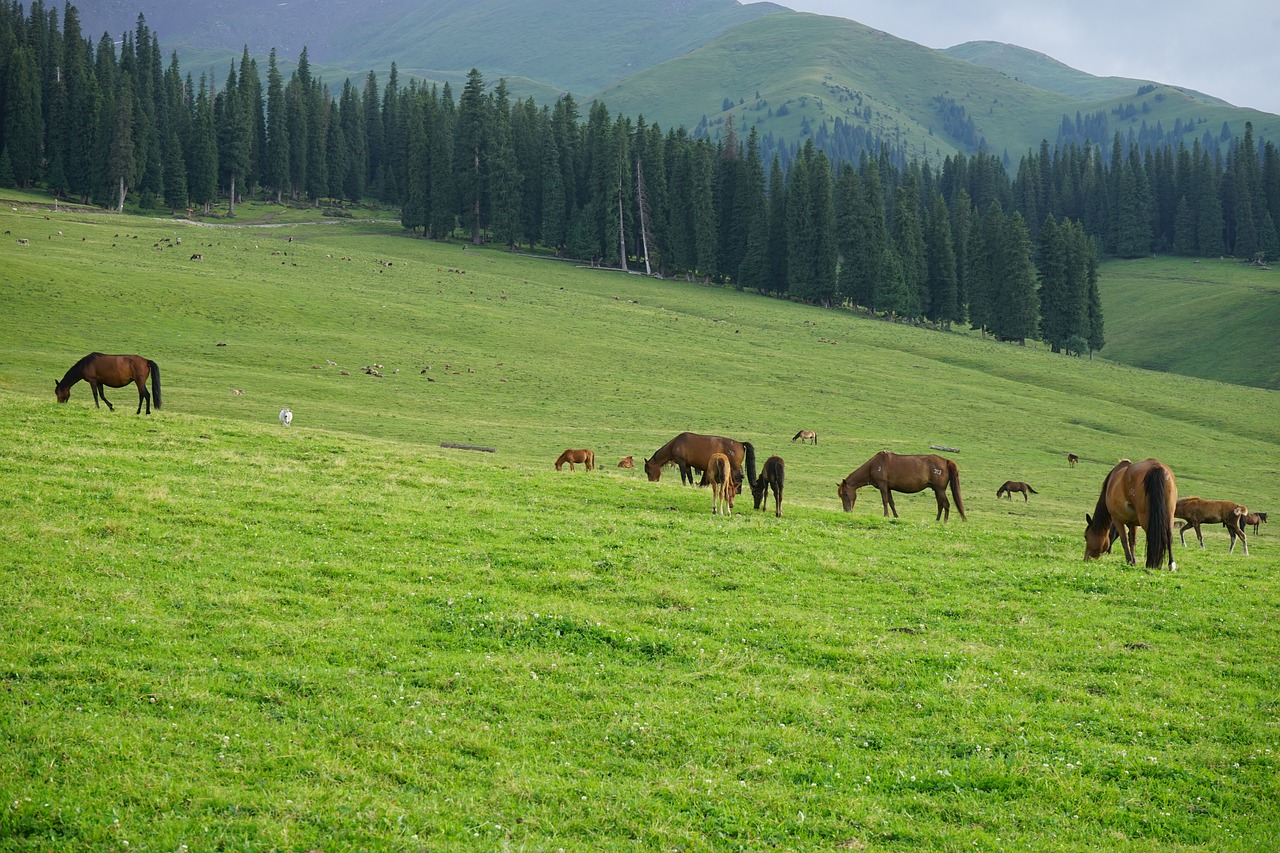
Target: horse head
x: 62, y: 393
x: 653, y: 470
x: 1096, y: 541
x: 848, y: 495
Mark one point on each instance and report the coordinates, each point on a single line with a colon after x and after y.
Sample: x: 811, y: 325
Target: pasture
x: 221, y: 632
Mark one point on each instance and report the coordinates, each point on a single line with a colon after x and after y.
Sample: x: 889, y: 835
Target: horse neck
x: 72, y: 376
x: 1101, y: 513
x: 862, y: 476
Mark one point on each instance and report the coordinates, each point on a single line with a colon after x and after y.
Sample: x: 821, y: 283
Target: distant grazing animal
x: 771, y: 476
x: 1255, y: 518
x: 627, y: 462
x: 1011, y: 486
x: 286, y: 416
x: 1134, y: 493
x: 890, y: 472
x: 197, y: 257
x: 806, y: 435
x: 689, y: 450
x: 723, y: 487
x: 1197, y: 511
x: 583, y: 455
x: 1072, y: 459
x: 115, y: 371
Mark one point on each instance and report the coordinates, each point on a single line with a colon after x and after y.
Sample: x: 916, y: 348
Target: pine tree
x: 908, y: 245
x: 275, y: 163
x: 1056, y: 322
x: 202, y: 171
x: 944, y: 305
x: 121, y: 165
x: 754, y: 204
x: 776, y: 281
x: 1016, y: 306
x: 472, y: 145
x: 22, y: 117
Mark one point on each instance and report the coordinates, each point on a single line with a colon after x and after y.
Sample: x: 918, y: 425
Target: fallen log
x: 944, y: 448
x: 468, y: 447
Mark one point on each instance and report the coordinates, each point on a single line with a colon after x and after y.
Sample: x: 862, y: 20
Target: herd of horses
x: 1134, y: 494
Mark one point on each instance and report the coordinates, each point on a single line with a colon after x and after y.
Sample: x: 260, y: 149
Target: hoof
x: 1173, y: 567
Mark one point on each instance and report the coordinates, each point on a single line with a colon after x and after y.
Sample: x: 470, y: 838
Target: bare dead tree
x: 643, y: 202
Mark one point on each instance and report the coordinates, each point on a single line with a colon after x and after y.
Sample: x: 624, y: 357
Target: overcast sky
x: 1229, y: 49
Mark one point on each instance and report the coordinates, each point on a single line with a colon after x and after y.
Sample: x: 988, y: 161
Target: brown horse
x: 771, y: 476
x: 806, y: 435
x: 1134, y: 493
x: 723, y: 487
x: 1255, y: 518
x: 1197, y: 511
x: 1072, y: 459
x: 627, y: 462
x: 571, y: 456
x: 689, y: 450
x: 890, y: 473
x: 116, y: 371
x: 1011, y: 486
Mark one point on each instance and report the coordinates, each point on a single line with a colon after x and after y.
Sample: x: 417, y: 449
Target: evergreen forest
x: 1013, y: 252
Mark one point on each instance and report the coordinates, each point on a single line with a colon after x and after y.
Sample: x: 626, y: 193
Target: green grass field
x: 222, y: 633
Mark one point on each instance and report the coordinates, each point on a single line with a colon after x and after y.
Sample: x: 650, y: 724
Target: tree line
x: 1016, y: 256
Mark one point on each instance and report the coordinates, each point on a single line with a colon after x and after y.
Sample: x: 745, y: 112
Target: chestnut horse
x: 770, y: 477
x: 627, y: 462
x: 1255, y: 518
x: 806, y: 435
x: 1134, y: 493
x: 689, y: 450
x: 890, y: 473
x: 723, y: 487
x: 116, y: 371
x: 1011, y: 486
x: 571, y: 456
x: 1197, y: 511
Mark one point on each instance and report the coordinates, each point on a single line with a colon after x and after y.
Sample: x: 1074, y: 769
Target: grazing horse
x: 1134, y: 493
x: 1255, y: 518
x: 723, y: 486
x: 890, y: 473
x: 627, y: 462
x: 1197, y: 511
x: 1072, y: 459
x: 690, y: 450
x: 770, y: 477
x: 806, y: 435
x: 116, y: 371
x: 571, y: 456
x: 286, y: 416
x: 1011, y: 486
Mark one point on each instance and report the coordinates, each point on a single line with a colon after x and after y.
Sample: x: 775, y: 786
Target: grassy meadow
x: 222, y: 633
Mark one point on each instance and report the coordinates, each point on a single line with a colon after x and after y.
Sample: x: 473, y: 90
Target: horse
x: 571, y: 456
x: 1255, y: 518
x: 1072, y: 459
x: 890, y: 473
x: 806, y: 435
x: 1134, y: 493
x: 1197, y: 511
x: 723, y: 486
x: 627, y: 462
x: 116, y: 371
x: 770, y: 477
x: 286, y: 416
x: 690, y: 450
x: 1011, y: 486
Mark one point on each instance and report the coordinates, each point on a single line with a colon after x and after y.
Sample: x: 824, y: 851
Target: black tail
x: 751, y: 462
x: 954, y: 473
x: 1159, y: 519
x: 1031, y: 490
x: 155, y: 382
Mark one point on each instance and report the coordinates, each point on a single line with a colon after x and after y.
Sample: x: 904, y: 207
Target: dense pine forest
x: 1015, y: 255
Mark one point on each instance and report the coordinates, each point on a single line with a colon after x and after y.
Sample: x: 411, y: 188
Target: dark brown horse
x: 689, y: 450
x: 890, y: 473
x: 1197, y: 511
x: 582, y: 456
x: 771, y: 476
x: 1134, y: 493
x: 806, y: 435
x: 1011, y: 486
x: 723, y: 487
x: 1255, y: 518
x: 1072, y: 459
x: 116, y: 371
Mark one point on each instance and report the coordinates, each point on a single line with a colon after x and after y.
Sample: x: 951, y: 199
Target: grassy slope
x: 1225, y: 315
x: 220, y: 632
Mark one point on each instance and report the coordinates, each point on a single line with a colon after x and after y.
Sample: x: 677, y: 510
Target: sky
x: 1231, y: 52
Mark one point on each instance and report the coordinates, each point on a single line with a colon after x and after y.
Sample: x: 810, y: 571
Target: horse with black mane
x: 890, y: 472
x: 771, y: 475
x: 1011, y: 486
x: 806, y: 435
x: 115, y: 371
x: 1134, y: 493
x: 689, y: 450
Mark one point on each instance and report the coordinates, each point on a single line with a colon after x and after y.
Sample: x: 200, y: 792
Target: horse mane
x: 1101, y: 515
x: 77, y: 369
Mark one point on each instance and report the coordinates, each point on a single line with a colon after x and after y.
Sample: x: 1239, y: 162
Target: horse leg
x: 1199, y: 536
x: 777, y: 500
x: 102, y: 392
x: 1025, y: 497
x: 143, y: 394
x: 886, y: 498
x: 1182, y: 534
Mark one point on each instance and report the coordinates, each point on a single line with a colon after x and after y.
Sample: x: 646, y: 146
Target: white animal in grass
x: 286, y: 416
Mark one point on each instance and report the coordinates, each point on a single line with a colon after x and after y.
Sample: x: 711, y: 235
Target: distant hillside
x: 567, y: 46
